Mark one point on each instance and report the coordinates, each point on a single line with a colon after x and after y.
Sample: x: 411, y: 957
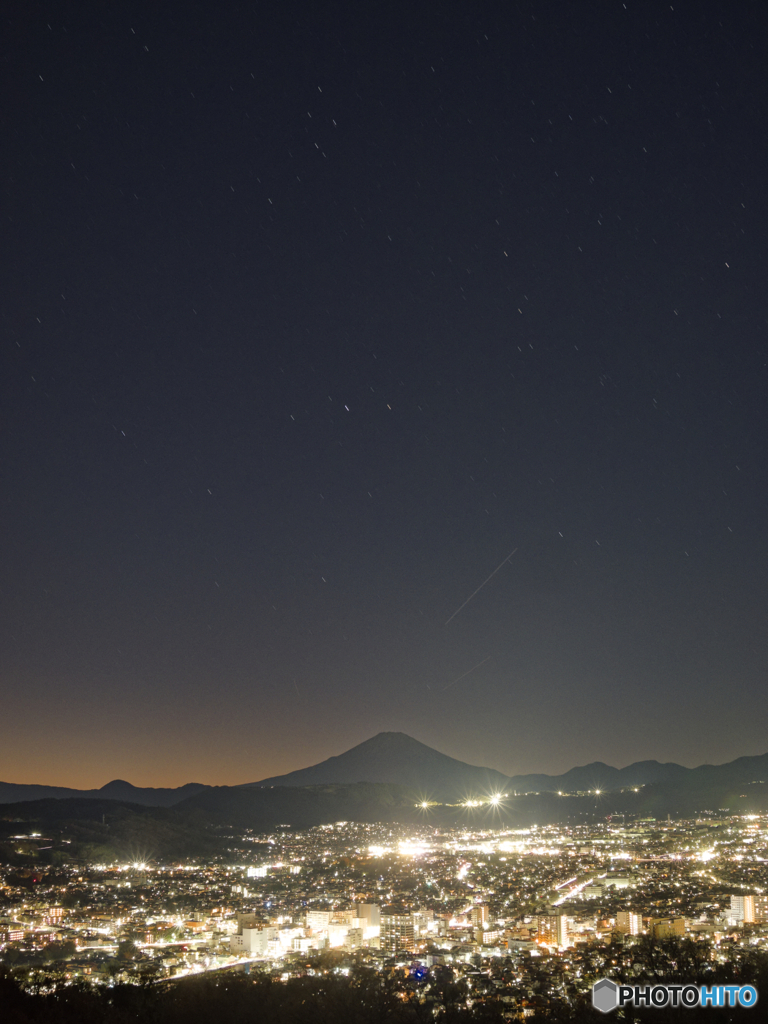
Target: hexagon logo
x: 605, y: 995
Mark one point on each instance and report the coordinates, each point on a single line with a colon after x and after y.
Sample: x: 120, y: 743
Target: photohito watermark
x: 607, y: 995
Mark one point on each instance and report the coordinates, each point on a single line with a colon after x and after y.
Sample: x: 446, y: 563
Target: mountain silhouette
x: 398, y: 759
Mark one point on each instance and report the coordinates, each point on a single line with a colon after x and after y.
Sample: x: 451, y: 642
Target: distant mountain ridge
x: 742, y: 771
x: 598, y: 775
x: 396, y: 759
x: 118, y: 789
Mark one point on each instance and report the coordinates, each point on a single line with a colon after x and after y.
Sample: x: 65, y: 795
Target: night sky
x: 311, y: 314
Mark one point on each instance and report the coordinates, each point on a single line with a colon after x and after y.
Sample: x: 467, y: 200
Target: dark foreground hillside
x: 365, y: 996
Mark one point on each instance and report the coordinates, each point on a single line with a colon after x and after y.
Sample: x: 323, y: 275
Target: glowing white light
x: 410, y: 848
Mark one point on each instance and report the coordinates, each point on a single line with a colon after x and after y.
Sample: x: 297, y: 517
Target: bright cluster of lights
x: 412, y: 848
x: 490, y: 801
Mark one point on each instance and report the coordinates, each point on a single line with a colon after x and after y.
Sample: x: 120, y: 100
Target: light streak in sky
x: 480, y: 587
x: 465, y: 674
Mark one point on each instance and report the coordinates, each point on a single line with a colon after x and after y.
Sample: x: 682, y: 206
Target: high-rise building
x: 553, y: 930
x: 479, y: 916
x: 629, y: 923
x: 761, y: 908
x: 396, y: 929
x: 743, y: 909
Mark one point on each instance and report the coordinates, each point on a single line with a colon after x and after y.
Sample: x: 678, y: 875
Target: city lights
x: 467, y: 895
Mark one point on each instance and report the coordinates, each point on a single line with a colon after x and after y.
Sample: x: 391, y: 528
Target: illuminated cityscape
x: 525, y: 919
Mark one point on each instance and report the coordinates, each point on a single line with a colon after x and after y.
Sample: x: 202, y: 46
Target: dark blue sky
x: 312, y: 313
